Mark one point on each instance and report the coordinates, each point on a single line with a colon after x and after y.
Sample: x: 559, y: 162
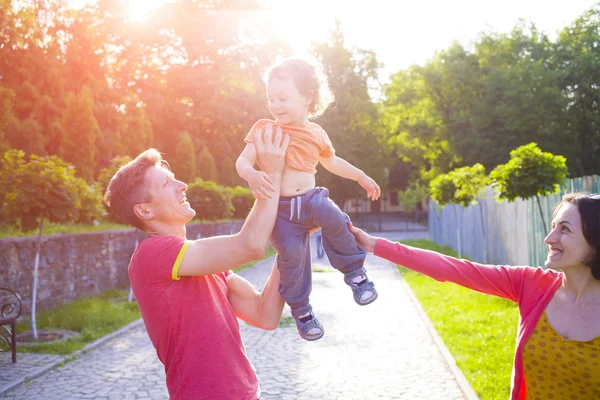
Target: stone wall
x: 75, y: 265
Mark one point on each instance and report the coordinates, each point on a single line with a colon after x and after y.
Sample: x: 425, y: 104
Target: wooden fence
x: 501, y: 232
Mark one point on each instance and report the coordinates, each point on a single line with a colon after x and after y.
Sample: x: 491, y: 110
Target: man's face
x: 168, y: 204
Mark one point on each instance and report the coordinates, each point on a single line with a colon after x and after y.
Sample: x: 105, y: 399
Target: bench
x: 10, y: 310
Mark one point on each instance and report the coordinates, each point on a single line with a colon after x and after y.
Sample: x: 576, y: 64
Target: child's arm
x: 260, y: 183
x: 343, y: 168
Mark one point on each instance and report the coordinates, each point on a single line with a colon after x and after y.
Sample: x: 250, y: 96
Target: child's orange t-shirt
x: 307, y: 144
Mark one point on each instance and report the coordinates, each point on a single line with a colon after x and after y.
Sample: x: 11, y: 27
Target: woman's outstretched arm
x: 497, y: 280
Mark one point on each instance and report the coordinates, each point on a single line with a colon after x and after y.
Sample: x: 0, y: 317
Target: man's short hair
x: 128, y: 187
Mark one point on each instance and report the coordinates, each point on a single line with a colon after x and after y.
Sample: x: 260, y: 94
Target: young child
x: 296, y: 92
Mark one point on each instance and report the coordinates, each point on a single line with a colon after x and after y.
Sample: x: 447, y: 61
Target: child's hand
x: 372, y: 188
x: 261, y: 185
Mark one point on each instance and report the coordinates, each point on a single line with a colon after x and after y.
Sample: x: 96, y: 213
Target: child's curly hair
x: 309, y: 78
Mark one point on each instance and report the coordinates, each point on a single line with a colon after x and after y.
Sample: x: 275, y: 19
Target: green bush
x: 211, y: 201
x: 242, y: 201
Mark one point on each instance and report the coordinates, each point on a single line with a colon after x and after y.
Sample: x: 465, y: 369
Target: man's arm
x: 220, y: 253
x: 263, y: 309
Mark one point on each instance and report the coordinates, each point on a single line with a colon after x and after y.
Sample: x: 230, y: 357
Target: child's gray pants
x: 296, y: 216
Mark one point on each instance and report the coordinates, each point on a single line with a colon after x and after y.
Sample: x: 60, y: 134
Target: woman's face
x: 566, y: 245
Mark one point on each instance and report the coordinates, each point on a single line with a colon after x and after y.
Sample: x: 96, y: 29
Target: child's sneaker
x: 308, y: 323
x: 362, y: 288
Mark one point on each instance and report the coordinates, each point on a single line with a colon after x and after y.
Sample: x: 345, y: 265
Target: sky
x: 403, y: 33
x: 400, y: 32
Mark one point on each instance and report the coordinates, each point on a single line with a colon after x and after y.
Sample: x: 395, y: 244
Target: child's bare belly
x: 295, y: 182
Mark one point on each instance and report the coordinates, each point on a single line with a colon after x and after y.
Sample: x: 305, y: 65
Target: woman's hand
x: 363, y: 239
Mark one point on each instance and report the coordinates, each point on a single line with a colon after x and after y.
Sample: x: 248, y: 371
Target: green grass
x: 479, y: 330
x: 62, y: 228
x: 322, y: 269
x: 287, y: 322
x: 93, y: 317
x: 270, y: 251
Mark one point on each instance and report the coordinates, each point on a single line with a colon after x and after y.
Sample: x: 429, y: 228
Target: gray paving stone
x: 25, y: 364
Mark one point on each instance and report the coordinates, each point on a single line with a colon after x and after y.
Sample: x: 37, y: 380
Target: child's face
x: 286, y: 103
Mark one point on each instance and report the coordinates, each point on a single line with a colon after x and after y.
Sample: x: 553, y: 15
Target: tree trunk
x: 541, y: 215
x: 483, y: 232
x: 36, y: 266
x: 457, y: 231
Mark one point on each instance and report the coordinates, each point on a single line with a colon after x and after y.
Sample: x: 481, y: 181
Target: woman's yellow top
x: 558, y: 368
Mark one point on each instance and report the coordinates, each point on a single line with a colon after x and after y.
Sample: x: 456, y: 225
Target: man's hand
x: 270, y: 152
x: 372, y: 188
x: 363, y: 239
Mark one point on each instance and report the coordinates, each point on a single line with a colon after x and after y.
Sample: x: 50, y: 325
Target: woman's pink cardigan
x: 531, y: 288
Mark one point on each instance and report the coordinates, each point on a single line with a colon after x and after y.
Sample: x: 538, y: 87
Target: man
x: 187, y: 294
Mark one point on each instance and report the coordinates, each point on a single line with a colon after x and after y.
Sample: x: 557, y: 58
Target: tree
x: 443, y: 190
x: 81, y: 129
x: 413, y: 195
x: 519, y: 100
x: 34, y: 41
x: 470, y: 183
x: 416, y: 131
x: 227, y: 173
x: 191, y: 68
x: 7, y: 100
x: 530, y: 172
x: 461, y: 186
x: 184, y: 162
x: 473, y: 106
x: 207, y: 169
x: 137, y: 134
x: 44, y: 189
x: 25, y: 135
x: 353, y: 122
x: 577, y: 56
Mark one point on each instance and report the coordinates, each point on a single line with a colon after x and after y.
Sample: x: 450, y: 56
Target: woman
x: 558, y: 340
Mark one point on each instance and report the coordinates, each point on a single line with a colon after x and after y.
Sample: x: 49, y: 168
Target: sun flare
x: 140, y: 9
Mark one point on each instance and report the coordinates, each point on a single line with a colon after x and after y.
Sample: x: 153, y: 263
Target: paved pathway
x: 380, y: 351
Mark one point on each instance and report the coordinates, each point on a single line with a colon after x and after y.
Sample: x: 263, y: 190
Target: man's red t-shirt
x: 191, y: 324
